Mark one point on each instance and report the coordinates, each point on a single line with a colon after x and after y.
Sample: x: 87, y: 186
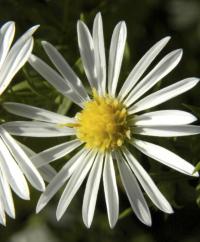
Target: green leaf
x: 125, y: 213
x: 64, y: 106
x: 197, y: 167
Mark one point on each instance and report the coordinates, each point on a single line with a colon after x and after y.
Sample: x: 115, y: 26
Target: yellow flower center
x: 102, y: 124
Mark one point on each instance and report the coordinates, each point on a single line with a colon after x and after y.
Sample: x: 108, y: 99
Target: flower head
x: 15, y: 164
x: 107, y: 124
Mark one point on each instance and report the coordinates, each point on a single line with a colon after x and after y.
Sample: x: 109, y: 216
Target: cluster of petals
x: 15, y: 165
x: 91, y: 162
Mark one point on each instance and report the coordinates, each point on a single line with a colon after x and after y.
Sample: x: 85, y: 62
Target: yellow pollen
x: 102, y: 124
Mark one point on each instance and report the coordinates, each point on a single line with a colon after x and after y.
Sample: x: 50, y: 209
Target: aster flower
x: 14, y: 162
x: 107, y: 124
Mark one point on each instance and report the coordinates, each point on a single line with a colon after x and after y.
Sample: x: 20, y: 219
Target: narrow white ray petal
x: 16, y: 58
x: 35, y: 113
x: 55, y: 153
x: 133, y: 191
x: 86, y: 47
x: 141, y: 67
x: 168, y: 63
x: 23, y: 161
x: 37, y: 129
x: 6, y: 196
x: 47, y: 171
x: 163, y: 117
x: 167, y: 130
x: 91, y: 190
x: 66, y: 71
x: 116, y: 53
x: 13, y: 173
x: 7, y: 33
x: 163, y: 95
x: 110, y: 190
x: 54, y: 79
x: 165, y: 157
x: 99, y: 52
x: 22, y: 39
x: 58, y: 181
x: 2, y: 214
x: 147, y: 183
x: 74, y: 184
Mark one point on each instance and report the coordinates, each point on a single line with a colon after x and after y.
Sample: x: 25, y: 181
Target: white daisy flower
x: 107, y: 122
x: 14, y: 163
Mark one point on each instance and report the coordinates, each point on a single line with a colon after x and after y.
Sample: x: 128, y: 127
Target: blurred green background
x: 147, y: 21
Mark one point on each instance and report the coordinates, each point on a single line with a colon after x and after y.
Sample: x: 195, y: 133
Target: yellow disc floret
x: 102, y: 124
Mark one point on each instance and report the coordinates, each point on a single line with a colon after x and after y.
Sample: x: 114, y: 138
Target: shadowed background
x: 147, y: 22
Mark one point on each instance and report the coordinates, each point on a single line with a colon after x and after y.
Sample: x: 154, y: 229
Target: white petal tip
x: 58, y: 216
x: 25, y: 196
x: 3, y: 223
x: 196, y: 174
x: 169, y: 210
x: 112, y: 224
x: 123, y: 24
x: 79, y: 23
x: 179, y: 52
x: 38, y: 208
x: 32, y: 58
x: 40, y: 205
x: 44, y: 43
x: 167, y: 38
x: 98, y: 15
x: 13, y: 216
x: 41, y: 186
x: 34, y: 28
x: 148, y: 223
x: 11, y: 22
x: 88, y: 225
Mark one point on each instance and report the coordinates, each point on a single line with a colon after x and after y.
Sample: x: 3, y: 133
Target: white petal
x: 116, y: 53
x: 39, y: 114
x: 99, y: 52
x: 86, y: 48
x: 13, y: 173
x: 54, y: 153
x: 163, y: 95
x: 7, y: 33
x: 23, y: 161
x: 61, y: 177
x: 133, y: 191
x: 74, y: 184
x: 47, y: 171
x: 6, y: 196
x: 66, y: 71
x: 147, y: 183
x: 22, y: 39
x: 167, y: 64
x: 167, y: 130
x: 13, y: 60
x: 16, y: 58
x: 54, y: 79
x: 91, y: 190
x: 110, y: 190
x: 2, y: 214
x: 165, y: 157
x: 163, y: 117
x: 37, y: 129
x: 141, y: 67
